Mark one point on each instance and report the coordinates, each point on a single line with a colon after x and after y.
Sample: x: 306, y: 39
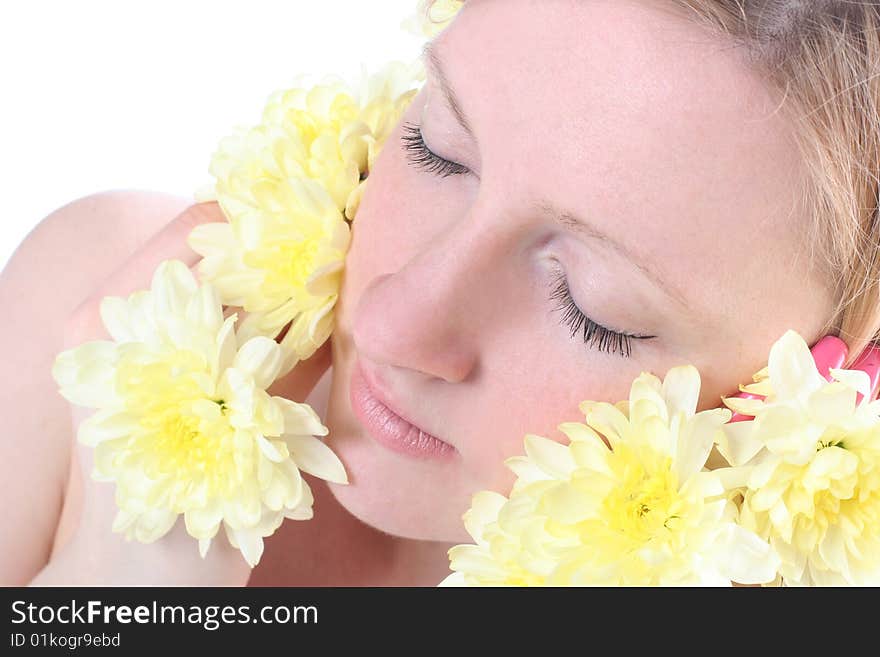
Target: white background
x: 122, y: 94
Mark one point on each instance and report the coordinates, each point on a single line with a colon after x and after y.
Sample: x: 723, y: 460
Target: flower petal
x: 259, y: 357
x: 173, y: 286
x: 858, y: 380
x: 300, y: 419
x: 313, y: 456
x: 607, y: 420
x: 745, y: 558
x: 696, y: 441
x: 792, y: 367
x: 738, y: 442
x: 744, y: 406
x: 484, y: 510
x: 552, y: 457
x: 681, y: 389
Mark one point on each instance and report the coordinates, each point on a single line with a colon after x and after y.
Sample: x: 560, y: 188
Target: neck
x: 419, y: 563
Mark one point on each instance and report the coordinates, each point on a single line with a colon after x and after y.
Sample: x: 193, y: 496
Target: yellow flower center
x: 193, y: 448
x: 288, y: 264
x: 183, y: 443
x: 179, y: 446
x: 647, y: 504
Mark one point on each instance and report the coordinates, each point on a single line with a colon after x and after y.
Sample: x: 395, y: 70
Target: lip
x: 387, y: 427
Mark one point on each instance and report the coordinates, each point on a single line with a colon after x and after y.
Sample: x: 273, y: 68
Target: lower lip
x: 390, y: 430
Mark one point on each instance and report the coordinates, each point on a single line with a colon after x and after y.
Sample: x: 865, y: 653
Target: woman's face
x: 609, y: 146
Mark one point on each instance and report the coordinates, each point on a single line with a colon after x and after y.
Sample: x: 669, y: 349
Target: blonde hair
x: 823, y: 57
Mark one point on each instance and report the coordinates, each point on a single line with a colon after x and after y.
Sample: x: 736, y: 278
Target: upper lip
x: 380, y: 392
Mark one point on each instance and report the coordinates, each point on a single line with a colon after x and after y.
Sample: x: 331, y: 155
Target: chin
x: 380, y: 515
x: 394, y: 496
x: 393, y: 493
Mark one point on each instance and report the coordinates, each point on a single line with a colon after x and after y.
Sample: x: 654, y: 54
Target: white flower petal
x: 250, y: 543
x: 205, y: 309
x: 738, y: 442
x: 212, y: 239
x: 300, y: 419
x: 453, y: 579
x: 86, y: 374
x: 858, y: 380
x: 745, y: 558
x: 831, y: 403
x: 205, y: 522
x: 681, y: 389
x: 525, y: 470
x: 173, y: 286
x: 259, y: 357
x: 606, y: 419
x: 696, y: 441
x: 552, y: 457
x: 313, y: 456
x: 107, y: 424
x: 269, y: 450
x: 484, y: 509
x: 744, y: 405
x: 792, y: 367
x: 577, y: 431
x: 303, y: 510
x: 226, y: 347
x: 117, y: 319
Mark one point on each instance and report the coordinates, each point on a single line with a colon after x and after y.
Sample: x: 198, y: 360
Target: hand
x: 95, y: 555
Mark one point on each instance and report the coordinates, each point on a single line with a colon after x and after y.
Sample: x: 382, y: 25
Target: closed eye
x: 419, y: 155
x: 594, y: 334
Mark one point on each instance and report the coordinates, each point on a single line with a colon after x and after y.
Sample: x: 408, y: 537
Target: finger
x: 170, y: 243
x: 172, y: 560
x: 136, y: 272
x: 98, y: 503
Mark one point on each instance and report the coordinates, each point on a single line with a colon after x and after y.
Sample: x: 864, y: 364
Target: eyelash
x: 595, y: 335
x: 424, y: 158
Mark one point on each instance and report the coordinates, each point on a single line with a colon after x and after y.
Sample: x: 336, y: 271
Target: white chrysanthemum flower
x: 644, y: 512
x: 282, y: 269
x: 288, y: 188
x: 184, y: 424
x: 810, y: 462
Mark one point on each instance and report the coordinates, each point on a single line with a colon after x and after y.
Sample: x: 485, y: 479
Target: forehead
x: 630, y: 114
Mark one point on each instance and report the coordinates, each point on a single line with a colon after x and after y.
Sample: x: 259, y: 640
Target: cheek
x: 383, y: 234
x: 379, y: 244
x: 403, y: 208
x: 533, y: 384
x: 402, y: 211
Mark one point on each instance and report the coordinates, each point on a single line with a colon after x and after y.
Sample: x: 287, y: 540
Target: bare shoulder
x: 57, y: 266
x: 119, y: 218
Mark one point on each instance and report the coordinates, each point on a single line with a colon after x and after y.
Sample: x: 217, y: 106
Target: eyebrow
x: 435, y: 66
x: 579, y: 225
x: 563, y: 217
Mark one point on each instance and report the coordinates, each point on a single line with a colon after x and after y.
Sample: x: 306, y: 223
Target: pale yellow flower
x: 644, y: 512
x: 282, y: 264
x: 432, y: 17
x: 184, y: 424
x: 288, y: 188
x: 810, y: 462
x: 384, y: 97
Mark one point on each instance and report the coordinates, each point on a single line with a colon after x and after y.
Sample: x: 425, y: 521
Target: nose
x: 431, y: 315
